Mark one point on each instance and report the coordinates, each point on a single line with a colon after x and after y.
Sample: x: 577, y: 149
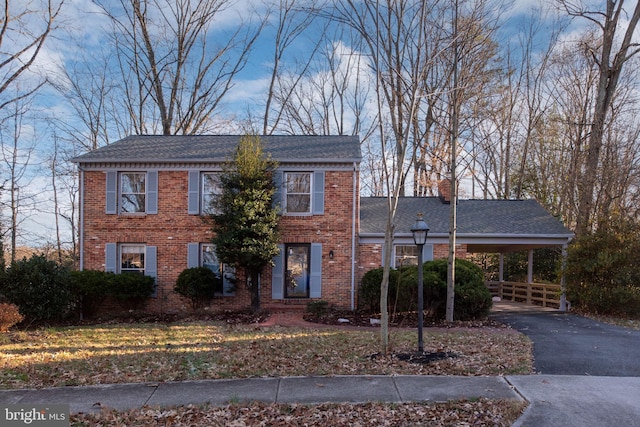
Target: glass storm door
x: 297, y: 271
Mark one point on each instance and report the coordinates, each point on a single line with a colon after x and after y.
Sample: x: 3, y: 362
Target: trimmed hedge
x: 39, y: 287
x: 131, y: 290
x: 90, y: 288
x: 199, y: 284
x: 472, y: 297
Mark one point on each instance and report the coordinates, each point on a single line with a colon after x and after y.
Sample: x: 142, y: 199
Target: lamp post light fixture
x: 420, y: 230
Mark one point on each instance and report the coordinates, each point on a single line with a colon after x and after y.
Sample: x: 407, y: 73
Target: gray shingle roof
x: 216, y: 148
x: 475, y: 217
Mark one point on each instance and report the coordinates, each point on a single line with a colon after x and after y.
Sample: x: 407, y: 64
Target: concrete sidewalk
x: 554, y: 400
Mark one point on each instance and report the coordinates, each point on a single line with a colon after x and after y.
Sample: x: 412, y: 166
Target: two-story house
x: 143, y: 199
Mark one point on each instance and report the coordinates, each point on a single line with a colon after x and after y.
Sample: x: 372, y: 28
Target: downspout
x: 353, y: 238
x: 81, y: 219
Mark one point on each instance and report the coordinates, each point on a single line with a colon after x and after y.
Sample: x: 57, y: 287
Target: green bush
x: 39, y: 287
x: 369, y: 291
x: 90, y: 288
x: 131, y: 290
x: 199, y: 284
x: 602, y: 271
x: 404, y: 295
x: 318, y: 308
x: 472, y: 297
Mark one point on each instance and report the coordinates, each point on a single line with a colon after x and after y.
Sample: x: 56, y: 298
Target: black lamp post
x: 420, y: 230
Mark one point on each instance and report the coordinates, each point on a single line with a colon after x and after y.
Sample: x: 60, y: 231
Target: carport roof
x: 484, y: 225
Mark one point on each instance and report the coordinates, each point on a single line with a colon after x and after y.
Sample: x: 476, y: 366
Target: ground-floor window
x: 132, y: 258
x: 408, y: 255
x: 226, y: 273
x: 297, y: 270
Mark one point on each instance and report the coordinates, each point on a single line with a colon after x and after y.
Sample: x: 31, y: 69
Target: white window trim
x: 120, y: 254
x: 121, y: 193
x: 286, y: 193
x: 203, y: 203
x: 427, y: 253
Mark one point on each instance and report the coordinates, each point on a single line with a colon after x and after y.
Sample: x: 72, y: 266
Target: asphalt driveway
x: 568, y: 344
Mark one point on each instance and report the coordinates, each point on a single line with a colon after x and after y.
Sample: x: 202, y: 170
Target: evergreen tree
x: 245, y: 221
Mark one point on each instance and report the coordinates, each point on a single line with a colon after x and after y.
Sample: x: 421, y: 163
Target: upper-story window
x: 297, y: 186
x: 132, y: 192
x: 210, y: 189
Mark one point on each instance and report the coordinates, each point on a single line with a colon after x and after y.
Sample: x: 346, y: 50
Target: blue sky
x: 82, y: 21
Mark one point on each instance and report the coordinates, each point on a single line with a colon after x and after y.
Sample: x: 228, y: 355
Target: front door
x: 297, y: 271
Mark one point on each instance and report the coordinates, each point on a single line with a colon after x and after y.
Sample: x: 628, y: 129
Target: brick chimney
x: 444, y: 190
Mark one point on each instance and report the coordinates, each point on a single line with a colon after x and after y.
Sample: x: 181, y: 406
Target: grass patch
x: 107, y: 354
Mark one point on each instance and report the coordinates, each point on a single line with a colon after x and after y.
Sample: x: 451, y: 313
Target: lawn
x: 123, y: 353
x: 153, y: 352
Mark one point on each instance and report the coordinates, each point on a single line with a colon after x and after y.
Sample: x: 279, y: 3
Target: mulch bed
x: 402, y: 320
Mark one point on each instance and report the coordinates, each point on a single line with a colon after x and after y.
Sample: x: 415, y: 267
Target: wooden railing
x: 545, y: 295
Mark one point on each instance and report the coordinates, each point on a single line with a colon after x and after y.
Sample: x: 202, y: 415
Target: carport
x: 483, y: 226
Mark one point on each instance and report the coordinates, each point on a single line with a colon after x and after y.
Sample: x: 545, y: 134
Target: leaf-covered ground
x: 153, y: 352
x: 477, y: 413
x: 104, y: 354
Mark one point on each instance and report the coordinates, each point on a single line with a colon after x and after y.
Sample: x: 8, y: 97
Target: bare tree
x: 16, y: 156
x: 331, y: 99
x: 87, y: 90
x: 292, y: 24
x: 610, y: 52
x: 23, y: 33
x: 394, y: 36
x: 174, y: 74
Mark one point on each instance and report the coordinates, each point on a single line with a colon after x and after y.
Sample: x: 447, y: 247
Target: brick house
x: 143, y: 198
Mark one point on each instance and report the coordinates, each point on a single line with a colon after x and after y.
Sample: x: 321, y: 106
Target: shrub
x: 9, y: 316
x: 369, y: 291
x: 602, y: 271
x: 318, y: 308
x: 39, y: 287
x: 90, y: 288
x: 403, y: 290
x: 472, y: 297
x: 131, y: 289
x: 199, y: 284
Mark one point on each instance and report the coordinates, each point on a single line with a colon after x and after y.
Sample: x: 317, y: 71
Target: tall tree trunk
x: 609, y: 74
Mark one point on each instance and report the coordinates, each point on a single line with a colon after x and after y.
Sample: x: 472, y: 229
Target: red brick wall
x: 173, y: 228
